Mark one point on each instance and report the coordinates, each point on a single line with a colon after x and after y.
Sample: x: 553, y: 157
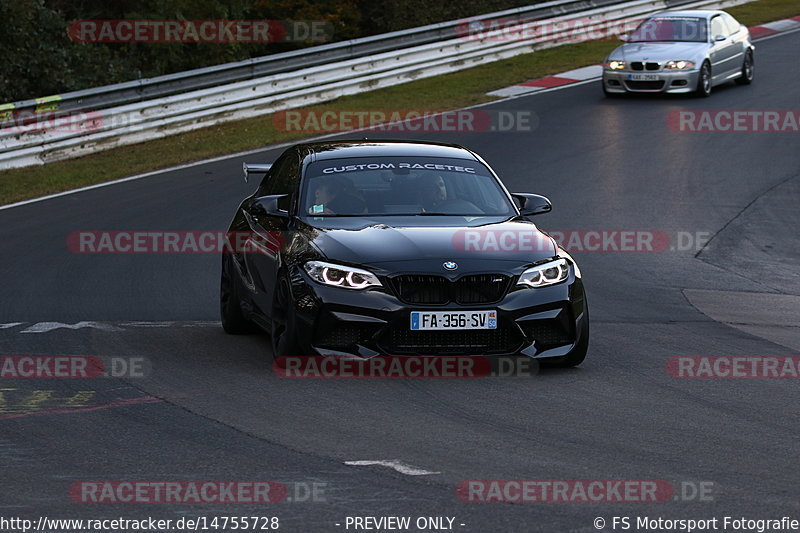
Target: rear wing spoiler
x: 253, y: 168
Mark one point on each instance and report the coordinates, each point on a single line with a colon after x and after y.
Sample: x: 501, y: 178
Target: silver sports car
x: 681, y: 52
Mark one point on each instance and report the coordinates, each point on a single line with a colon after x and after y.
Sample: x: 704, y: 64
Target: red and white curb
x: 596, y: 71
x: 780, y: 26
x: 565, y: 78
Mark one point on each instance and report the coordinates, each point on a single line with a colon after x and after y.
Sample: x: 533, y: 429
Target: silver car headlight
x: 615, y: 65
x: 340, y: 276
x: 679, y: 65
x: 546, y: 274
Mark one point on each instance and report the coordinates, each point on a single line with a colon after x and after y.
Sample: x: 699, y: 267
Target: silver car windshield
x: 402, y: 186
x: 666, y: 29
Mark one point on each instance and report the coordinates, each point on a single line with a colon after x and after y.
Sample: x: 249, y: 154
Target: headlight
x: 679, y: 65
x: 615, y: 65
x: 340, y: 276
x: 549, y: 273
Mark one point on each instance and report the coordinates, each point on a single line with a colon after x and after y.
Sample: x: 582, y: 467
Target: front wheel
x: 284, y: 322
x: 233, y: 320
x: 748, y: 70
x: 704, y: 82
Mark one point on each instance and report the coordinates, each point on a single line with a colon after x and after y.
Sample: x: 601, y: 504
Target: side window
x: 718, y: 28
x: 290, y: 181
x: 267, y: 185
x: 282, y: 179
x: 732, y: 24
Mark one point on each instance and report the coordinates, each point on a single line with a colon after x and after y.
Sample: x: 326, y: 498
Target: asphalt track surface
x: 211, y: 409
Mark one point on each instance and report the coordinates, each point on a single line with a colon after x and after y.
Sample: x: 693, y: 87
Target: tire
x: 704, y: 81
x: 233, y: 320
x: 576, y: 355
x: 284, y: 322
x: 748, y: 69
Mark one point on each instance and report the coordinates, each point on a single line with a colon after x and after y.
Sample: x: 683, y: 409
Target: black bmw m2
x: 366, y: 248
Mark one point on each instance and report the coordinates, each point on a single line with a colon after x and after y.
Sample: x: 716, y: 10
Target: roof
x: 385, y: 147
x: 701, y: 13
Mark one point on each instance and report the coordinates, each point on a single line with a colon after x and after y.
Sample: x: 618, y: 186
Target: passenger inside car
x: 432, y: 192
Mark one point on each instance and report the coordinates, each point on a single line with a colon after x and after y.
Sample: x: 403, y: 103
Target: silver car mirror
x: 250, y: 168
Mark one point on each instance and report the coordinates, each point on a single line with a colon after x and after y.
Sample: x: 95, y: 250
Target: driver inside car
x: 434, y: 197
x: 335, y: 196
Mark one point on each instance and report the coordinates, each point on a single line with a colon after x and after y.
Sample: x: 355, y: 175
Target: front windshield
x: 659, y: 29
x: 402, y: 186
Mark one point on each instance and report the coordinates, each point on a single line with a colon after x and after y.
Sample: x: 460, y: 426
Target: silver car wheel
x: 748, y: 69
x: 704, y: 83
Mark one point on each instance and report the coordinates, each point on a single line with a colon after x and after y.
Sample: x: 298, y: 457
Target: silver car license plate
x: 643, y: 77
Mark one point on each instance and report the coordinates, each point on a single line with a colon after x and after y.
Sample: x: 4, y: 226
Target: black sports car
x: 399, y: 248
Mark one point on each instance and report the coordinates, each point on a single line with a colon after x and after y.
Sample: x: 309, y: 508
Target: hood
x: 473, y: 247
x: 659, y: 52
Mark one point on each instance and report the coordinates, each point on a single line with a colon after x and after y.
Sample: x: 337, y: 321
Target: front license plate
x: 425, y: 320
x: 643, y: 77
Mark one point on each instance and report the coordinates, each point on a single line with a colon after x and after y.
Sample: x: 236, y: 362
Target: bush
x: 39, y: 59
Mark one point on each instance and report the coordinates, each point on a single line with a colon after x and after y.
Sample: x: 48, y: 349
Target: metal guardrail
x: 153, y: 118
x: 149, y: 88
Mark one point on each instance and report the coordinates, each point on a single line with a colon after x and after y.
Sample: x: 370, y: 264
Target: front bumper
x: 679, y: 81
x: 541, y: 323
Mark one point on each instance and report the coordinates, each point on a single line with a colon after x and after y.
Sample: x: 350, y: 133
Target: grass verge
x: 448, y: 91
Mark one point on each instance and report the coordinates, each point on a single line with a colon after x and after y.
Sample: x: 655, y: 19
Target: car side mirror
x: 532, y: 204
x: 719, y: 38
x: 250, y: 168
x: 264, y: 206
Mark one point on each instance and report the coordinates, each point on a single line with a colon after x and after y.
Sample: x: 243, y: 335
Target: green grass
x: 756, y: 13
x: 448, y: 91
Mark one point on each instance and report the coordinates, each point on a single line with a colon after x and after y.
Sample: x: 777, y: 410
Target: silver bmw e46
x: 681, y: 52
